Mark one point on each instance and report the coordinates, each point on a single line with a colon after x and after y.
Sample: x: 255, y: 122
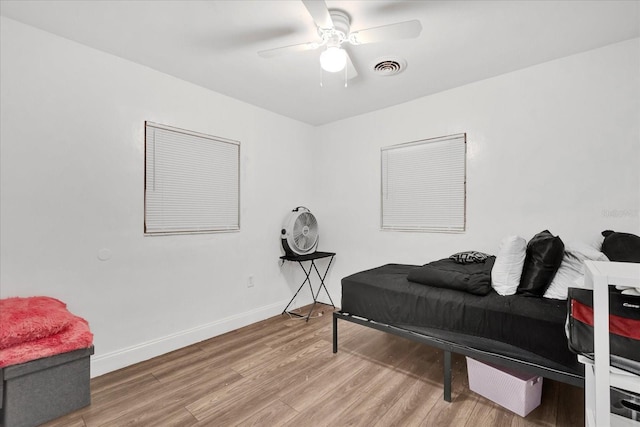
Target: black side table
x: 310, y: 257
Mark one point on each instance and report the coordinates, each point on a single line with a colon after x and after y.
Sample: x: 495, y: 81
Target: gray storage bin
x: 44, y: 389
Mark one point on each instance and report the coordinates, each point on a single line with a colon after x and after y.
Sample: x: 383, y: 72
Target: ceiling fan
x: 334, y: 29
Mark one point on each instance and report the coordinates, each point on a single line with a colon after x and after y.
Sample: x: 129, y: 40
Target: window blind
x: 192, y: 182
x: 424, y: 185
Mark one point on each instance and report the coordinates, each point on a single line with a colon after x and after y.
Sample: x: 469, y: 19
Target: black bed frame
x: 448, y: 347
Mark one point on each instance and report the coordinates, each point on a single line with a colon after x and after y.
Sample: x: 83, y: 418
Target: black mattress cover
x: 526, y: 328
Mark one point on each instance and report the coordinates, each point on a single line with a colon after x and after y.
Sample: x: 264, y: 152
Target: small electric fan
x: 299, y: 233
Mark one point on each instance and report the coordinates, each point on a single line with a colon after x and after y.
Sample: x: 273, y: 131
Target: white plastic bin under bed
x: 518, y: 392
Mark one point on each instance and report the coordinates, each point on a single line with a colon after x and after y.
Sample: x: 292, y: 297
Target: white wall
x: 72, y: 175
x: 555, y: 146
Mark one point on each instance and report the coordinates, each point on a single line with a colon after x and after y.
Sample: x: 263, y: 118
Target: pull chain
x: 345, y: 76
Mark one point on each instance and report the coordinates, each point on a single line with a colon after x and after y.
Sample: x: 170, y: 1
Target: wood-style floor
x: 282, y: 372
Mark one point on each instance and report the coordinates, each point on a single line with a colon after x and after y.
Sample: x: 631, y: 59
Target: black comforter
x: 530, y: 329
x: 474, y: 278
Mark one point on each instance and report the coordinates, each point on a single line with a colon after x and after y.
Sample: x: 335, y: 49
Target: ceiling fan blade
x: 351, y: 69
x: 319, y: 12
x: 270, y: 53
x: 398, y: 31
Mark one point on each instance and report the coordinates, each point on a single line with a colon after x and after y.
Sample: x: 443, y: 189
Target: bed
x: 516, y: 331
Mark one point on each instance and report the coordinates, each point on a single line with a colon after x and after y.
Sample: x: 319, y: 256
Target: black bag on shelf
x: 624, y: 324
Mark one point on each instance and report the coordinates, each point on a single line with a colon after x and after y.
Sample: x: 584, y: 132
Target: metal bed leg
x: 447, y: 375
x: 335, y: 333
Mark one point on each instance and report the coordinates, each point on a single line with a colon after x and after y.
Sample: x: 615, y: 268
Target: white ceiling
x: 214, y: 43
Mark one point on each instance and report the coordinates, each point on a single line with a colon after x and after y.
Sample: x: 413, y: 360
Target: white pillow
x: 572, y: 269
x: 507, y: 269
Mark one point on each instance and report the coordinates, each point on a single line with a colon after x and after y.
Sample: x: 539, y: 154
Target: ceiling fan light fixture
x: 333, y: 59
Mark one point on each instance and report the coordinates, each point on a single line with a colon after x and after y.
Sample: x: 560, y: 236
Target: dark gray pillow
x: 622, y: 247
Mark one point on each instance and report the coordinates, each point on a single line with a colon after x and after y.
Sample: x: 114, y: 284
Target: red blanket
x: 36, y: 327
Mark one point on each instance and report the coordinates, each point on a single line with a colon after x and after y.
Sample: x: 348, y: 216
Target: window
x: 424, y: 185
x: 192, y: 182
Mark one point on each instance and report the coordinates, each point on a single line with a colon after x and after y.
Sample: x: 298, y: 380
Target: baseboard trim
x: 108, y: 362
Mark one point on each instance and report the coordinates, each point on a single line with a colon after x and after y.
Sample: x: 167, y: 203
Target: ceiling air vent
x: 389, y: 66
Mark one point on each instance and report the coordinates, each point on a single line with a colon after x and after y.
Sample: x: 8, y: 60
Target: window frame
x: 153, y: 230
x: 455, y: 226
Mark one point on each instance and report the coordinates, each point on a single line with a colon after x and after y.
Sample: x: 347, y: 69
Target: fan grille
x: 305, y: 231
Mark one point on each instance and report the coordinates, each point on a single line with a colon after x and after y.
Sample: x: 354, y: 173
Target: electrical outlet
x: 250, y: 281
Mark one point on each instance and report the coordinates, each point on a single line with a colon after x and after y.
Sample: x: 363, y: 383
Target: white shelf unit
x: 599, y: 375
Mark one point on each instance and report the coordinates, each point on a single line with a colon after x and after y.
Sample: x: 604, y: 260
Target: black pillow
x: 623, y: 247
x: 543, y: 258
